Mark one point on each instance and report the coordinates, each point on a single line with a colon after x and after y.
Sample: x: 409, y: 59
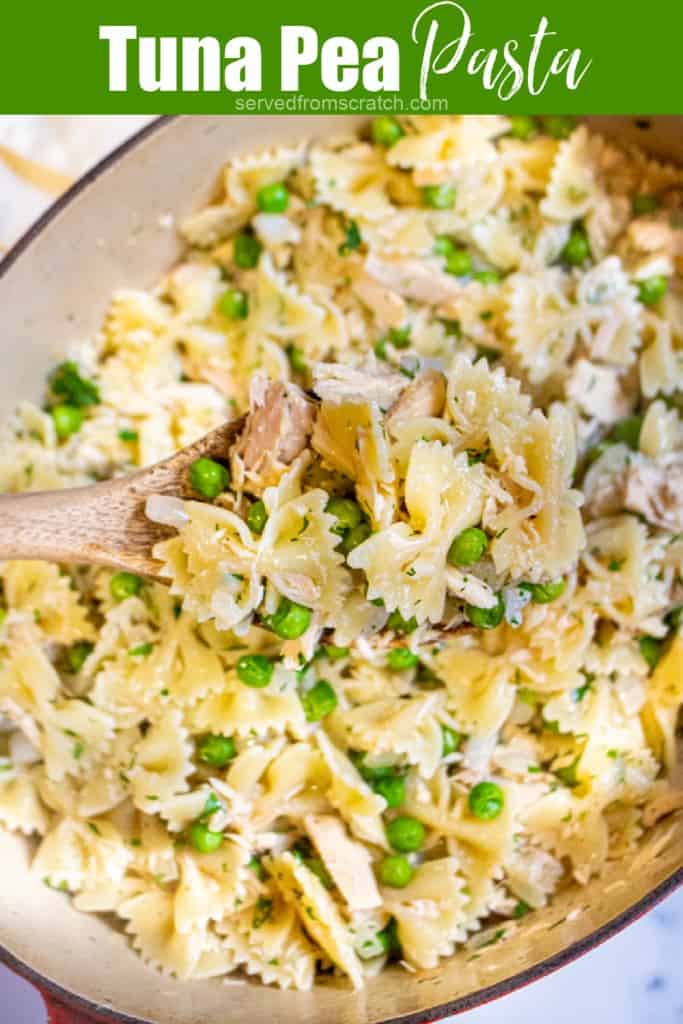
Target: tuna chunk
x: 417, y: 280
x: 277, y: 429
x: 469, y: 588
x: 347, y: 861
x: 654, y: 236
x: 425, y: 396
x: 387, y: 305
x: 339, y: 384
x: 597, y: 390
x: 656, y: 492
x: 664, y: 803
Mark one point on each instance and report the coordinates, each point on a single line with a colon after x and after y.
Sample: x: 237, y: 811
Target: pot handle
x: 57, y: 1013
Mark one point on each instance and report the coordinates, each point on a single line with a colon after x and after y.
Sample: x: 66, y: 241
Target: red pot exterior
x: 58, y: 1013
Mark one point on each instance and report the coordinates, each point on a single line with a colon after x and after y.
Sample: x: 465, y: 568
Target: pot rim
x: 98, y: 1012
x: 79, y: 186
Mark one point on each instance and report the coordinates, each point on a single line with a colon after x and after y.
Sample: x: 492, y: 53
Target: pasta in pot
x: 419, y: 659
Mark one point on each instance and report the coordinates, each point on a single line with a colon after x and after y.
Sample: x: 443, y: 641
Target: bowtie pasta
x: 418, y: 662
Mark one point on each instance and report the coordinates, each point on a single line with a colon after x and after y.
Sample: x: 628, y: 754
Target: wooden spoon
x: 105, y: 524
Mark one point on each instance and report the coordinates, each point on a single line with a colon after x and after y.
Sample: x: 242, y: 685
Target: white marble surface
x: 636, y: 978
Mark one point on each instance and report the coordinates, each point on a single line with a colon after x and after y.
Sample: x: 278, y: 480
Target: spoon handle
x: 104, y: 524
x: 100, y: 525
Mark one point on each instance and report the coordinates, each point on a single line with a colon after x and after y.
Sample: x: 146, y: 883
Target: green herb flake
x: 353, y: 239
x: 262, y: 912
x: 67, y: 384
x: 141, y: 651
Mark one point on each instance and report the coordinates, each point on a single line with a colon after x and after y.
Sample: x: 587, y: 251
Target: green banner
x: 302, y: 56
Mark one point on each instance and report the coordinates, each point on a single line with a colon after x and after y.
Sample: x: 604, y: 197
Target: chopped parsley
x: 69, y: 387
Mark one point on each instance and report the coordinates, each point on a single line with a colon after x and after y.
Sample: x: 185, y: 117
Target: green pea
x: 257, y: 517
x: 246, y: 251
x: 290, y: 620
x: 400, y: 658
x: 273, y: 198
x: 486, y: 618
x: 203, y: 839
x: 334, y: 653
x: 651, y: 648
x: 544, y: 593
x: 459, y: 263
x: 400, y: 336
x: 346, y: 511
x: 523, y: 128
x: 208, y: 477
x: 389, y: 940
x: 652, y: 289
x: 319, y: 701
x: 216, y: 750
x: 405, y: 835
x: 395, y: 871
x: 234, y: 303
x: 401, y: 625
x: 486, y: 801
x: 468, y: 547
x: 297, y: 360
x: 577, y: 250
x: 355, y: 537
x: 123, y: 585
x: 372, y: 773
x: 559, y: 127
x: 255, y: 670
x: 487, y: 277
x: 386, y: 131
x: 75, y: 656
x: 627, y: 431
x: 643, y: 204
x: 438, y: 197
x: 443, y: 246
x: 393, y: 789
x: 68, y: 420
x: 450, y: 740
